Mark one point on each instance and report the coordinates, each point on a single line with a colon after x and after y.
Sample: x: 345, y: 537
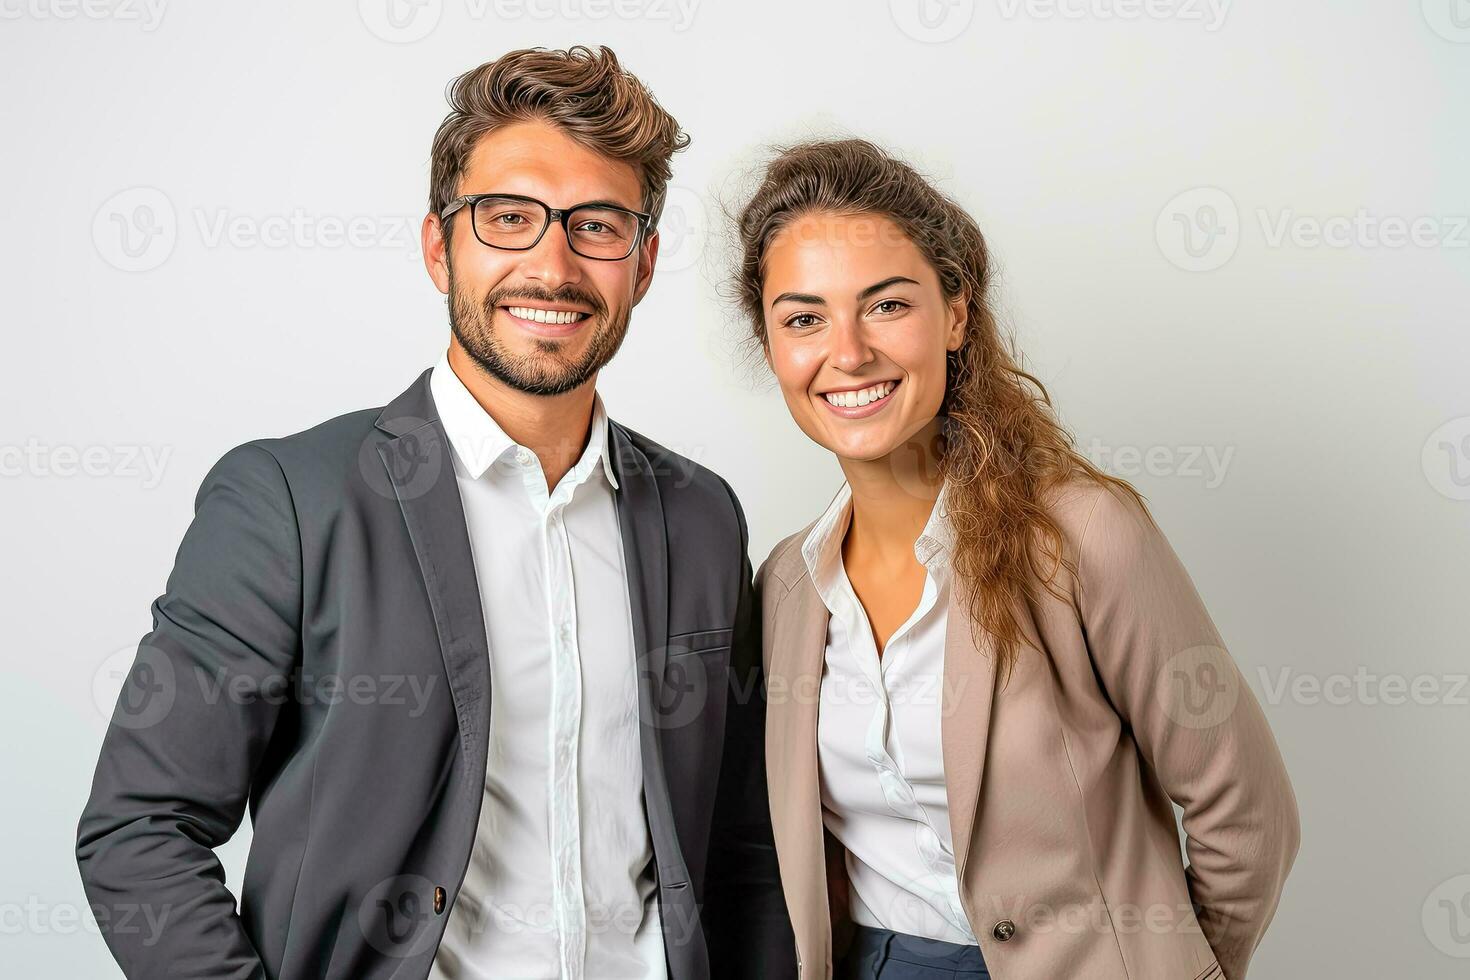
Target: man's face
x: 505, y: 307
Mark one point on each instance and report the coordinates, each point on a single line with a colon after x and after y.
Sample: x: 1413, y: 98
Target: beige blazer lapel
x: 965, y: 703
x: 794, y: 683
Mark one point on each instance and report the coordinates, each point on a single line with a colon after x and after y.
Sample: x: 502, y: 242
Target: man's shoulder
x: 343, y: 436
x: 352, y: 435
x: 693, y: 496
x: 676, y: 472
x: 319, y: 461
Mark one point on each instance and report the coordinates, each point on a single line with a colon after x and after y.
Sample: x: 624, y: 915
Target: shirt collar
x: 822, y: 548
x: 479, y: 442
x: 936, y: 541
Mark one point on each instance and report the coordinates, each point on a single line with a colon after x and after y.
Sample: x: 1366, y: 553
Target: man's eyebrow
x: 813, y: 299
x: 601, y: 203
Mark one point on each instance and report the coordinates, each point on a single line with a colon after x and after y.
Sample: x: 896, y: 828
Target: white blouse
x: 879, y: 745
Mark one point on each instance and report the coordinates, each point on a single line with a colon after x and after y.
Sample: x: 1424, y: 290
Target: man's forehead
x: 539, y: 161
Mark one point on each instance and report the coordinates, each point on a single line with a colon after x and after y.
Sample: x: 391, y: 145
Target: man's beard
x: 549, y: 371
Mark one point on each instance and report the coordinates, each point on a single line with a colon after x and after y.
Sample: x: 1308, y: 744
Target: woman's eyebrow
x: 811, y: 298
x: 890, y: 281
x: 814, y: 299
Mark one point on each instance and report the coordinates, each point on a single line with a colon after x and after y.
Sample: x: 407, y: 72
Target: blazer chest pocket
x: 689, y: 710
x: 699, y: 641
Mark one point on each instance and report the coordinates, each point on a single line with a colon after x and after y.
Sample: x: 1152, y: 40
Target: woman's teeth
x: 863, y: 396
x: 545, y: 316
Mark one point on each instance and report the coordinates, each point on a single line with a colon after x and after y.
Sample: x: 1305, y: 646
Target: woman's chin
x: 864, y: 450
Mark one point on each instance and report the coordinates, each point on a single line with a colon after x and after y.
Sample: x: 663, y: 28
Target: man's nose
x: 552, y: 262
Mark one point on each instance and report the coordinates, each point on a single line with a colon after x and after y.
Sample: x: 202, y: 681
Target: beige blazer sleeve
x: 1196, y: 722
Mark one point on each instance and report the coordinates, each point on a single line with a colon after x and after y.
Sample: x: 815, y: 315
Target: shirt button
x: 523, y: 456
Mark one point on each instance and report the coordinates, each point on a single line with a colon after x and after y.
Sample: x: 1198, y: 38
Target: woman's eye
x: 890, y: 306
x: 802, y: 320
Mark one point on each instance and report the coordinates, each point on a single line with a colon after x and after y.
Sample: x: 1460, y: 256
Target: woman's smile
x: 859, y: 403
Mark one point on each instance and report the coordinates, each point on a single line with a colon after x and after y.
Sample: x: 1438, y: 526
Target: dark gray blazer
x: 319, y: 655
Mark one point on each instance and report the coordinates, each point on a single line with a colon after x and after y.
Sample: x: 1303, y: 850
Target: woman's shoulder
x: 785, y: 565
x: 1106, y: 526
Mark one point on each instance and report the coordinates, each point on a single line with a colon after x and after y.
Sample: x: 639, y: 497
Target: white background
x: 1303, y: 402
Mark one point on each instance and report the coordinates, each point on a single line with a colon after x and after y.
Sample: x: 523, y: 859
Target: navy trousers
x: 881, y: 954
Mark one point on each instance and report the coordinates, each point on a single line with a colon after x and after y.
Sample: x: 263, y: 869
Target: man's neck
x: 554, y: 427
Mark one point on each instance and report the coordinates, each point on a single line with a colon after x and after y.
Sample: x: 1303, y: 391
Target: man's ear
x: 435, y: 249
x: 959, y: 310
x: 647, y: 258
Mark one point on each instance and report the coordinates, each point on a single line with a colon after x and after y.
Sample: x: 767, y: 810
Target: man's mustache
x: 507, y: 296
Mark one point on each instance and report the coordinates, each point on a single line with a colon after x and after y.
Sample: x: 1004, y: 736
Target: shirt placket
x: 898, y: 792
x: 564, y: 729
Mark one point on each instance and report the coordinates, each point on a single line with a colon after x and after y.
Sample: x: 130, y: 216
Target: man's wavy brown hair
x: 1001, y: 448
x: 587, y: 94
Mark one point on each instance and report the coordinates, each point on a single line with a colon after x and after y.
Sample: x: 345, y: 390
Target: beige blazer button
x: 1004, y: 930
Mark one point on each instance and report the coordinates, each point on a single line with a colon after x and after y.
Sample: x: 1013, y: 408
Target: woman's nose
x: 849, y: 349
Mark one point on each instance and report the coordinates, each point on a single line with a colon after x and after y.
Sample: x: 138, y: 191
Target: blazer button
x: 439, y: 901
x: 1004, y: 930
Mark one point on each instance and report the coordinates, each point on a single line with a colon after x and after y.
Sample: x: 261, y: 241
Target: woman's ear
x: 959, y: 311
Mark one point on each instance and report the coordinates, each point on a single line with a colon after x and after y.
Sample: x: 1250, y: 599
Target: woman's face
x: 857, y: 331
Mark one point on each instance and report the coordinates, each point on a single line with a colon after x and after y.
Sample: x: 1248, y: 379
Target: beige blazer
x: 1060, y: 781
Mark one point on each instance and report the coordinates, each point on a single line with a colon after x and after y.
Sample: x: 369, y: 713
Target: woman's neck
x: 892, y: 499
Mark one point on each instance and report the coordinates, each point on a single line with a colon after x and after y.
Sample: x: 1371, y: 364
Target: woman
x: 988, y: 674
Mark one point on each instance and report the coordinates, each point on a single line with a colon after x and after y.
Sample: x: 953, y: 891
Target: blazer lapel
x: 966, y: 700
x: 421, y: 471
x: 798, y: 651
x: 646, y: 557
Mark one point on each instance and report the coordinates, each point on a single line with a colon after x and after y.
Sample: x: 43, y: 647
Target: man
x: 482, y: 663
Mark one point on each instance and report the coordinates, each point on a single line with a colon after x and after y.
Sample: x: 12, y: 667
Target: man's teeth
x: 545, y: 316
x: 864, y: 396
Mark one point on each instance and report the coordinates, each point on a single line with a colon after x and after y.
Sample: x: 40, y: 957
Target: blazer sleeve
x: 195, y: 714
x: 1195, y: 720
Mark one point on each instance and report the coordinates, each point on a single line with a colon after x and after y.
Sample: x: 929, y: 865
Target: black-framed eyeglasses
x: 595, y: 230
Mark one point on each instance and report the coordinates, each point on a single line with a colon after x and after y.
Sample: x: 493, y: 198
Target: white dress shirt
x: 561, y: 881
x: 878, y: 740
